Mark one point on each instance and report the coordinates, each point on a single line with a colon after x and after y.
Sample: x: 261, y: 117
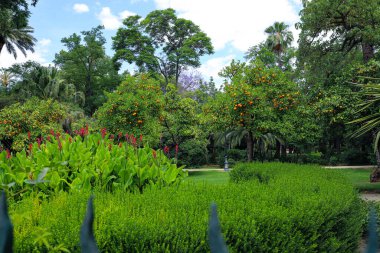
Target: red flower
x: 119, y: 135
x: 82, y: 132
x: 51, y: 131
x: 166, y: 150
x: 59, y: 144
x: 70, y: 139
x: 112, y: 136
x: 30, y: 148
x: 120, y: 144
x: 39, y: 140
x: 9, y: 155
x: 154, y: 153
x: 133, y: 140
x: 141, y: 138
x: 126, y: 137
x: 48, y: 138
x: 104, y: 132
x: 109, y: 147
x: 28, y: 135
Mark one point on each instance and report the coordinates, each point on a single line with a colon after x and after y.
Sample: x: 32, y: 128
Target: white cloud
x: 239, y: 22
x: 7, y: 60
x: 44, y: 42
x: 41, y: 49
x: 111, y: 21
x: 126, y: 14
x: 213, y: 66
x: 81, y: 8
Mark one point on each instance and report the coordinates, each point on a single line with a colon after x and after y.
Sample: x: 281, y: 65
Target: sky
x: 232, y: 25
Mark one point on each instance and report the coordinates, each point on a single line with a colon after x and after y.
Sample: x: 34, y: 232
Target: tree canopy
x: 161, y: 43
x: 86, y: 65
x: 339, y: 25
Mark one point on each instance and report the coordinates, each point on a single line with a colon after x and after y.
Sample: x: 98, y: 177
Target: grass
x: 358, y: 177
x: 213, y: 177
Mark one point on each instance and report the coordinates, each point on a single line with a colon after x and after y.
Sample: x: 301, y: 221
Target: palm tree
x: 371, y: 122
x: 6, y: 78
x: 279, y: 39
x: 234, y: 137
x: 45, y: 82
x: 13, y: 36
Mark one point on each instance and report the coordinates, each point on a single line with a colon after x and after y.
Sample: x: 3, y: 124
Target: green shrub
x: 245, y: 172
x: 300, y: 209
x: 193, y: 153
x: 313, y: 157
x: 64, y: 163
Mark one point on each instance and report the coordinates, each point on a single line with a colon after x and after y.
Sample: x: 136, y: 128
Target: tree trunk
x: 279, y: 60
x: 212, y: 146
x: 177, y: 73
x: 250, y: 146
x: 283, y: 152
x: 278, y: 150
x: 375, y: 175
x: 368, y: 52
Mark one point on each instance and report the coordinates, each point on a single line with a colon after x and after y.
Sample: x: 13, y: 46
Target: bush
x: 193, y: 153
x: 313, y: 157
x: 244, y: 172
x: 35, y: 116
x: 300, y: 209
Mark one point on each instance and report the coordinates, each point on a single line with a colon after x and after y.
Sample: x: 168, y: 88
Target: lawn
x: 358, y: 177
x: 214, y: 177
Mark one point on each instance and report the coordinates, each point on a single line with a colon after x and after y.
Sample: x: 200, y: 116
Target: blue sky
x: 233, y: 26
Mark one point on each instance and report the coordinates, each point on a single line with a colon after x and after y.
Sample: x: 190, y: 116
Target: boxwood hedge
x: 298, y: 209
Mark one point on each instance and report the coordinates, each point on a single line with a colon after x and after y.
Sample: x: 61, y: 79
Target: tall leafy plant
x: 65, y: 163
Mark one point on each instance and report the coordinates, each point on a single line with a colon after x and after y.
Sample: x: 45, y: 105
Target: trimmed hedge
x: 299, y: 209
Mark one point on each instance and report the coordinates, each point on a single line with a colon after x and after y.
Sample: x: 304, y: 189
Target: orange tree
x: 135, y: 107
x: 22, y: 124
x: 256, y: 98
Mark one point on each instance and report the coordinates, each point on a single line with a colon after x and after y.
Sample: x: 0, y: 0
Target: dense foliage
x: 161, y: 43
x: 300, y: 209
x: 63, y: 163
x: 22, y: 123
x: 135, y: 107
x: 86, y: 65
